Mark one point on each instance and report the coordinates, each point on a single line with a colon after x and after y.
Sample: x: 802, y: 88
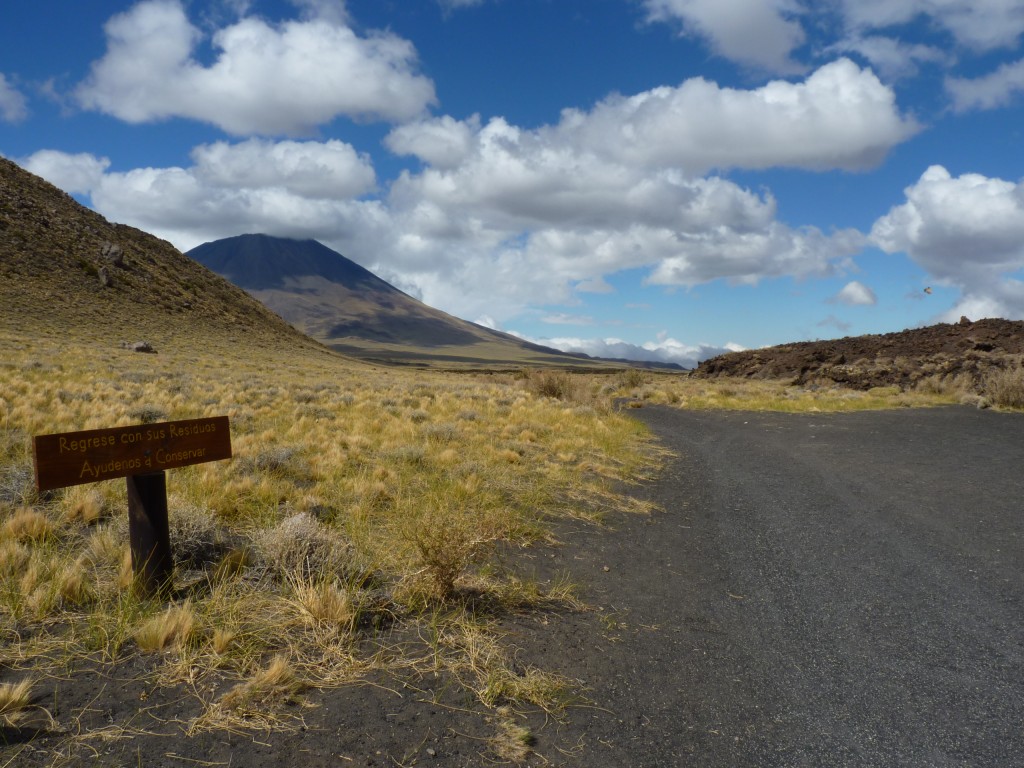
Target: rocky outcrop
x: 941, y: 352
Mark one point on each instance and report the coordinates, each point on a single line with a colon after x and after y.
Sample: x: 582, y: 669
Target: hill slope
x: 67, y: 271
x: 901, y: 359
x: 345, y: 306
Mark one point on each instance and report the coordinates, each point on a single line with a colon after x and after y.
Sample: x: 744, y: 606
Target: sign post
x: 141, y: 453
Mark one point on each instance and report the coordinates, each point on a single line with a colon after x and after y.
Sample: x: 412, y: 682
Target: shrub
x: 554, y: 384
x: 300, y: 545
x: 1005, y: 388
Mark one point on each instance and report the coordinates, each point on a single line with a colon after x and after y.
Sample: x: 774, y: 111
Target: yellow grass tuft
x: 26, y: 524
x: 15, y: 699
x: 277, y: 681
x: 173, y: 627
x: 513, y: 742
x: 322, y: 603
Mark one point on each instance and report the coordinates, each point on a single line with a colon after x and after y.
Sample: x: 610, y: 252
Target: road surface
x: 820, y: 590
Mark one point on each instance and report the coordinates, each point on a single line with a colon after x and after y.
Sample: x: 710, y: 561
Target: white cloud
x: 664, y: 350
x: 841, y: 116
x: 761, y: 33
x: 290, y: 189
x: 967, y: 232
x: 75, y: 174
x: 444, y: 142
x: 13, y: 106
x: 856, y: 294
x: 266, y: 79
x: 982, y: 25
x: 748, y: 257
x: 331, y: 169
x: 995, y: 89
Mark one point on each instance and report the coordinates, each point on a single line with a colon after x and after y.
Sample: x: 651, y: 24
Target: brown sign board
x: 74, y: 458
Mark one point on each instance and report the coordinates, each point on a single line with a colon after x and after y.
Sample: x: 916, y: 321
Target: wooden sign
x: 74, y: 458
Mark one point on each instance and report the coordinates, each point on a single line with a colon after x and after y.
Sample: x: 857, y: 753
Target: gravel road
x: 821, y: 590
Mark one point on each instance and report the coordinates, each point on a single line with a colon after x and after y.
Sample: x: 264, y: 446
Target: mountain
x: 938, y: 352
x: 67, y: 272
x: 343, y: 305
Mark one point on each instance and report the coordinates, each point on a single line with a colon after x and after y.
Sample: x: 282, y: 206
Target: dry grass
x: 1005, y: 388
x: 356, y: 496
x: 15, y: 700
x: 172, y: 627
x: 685, y: 391
x: 513, y: 742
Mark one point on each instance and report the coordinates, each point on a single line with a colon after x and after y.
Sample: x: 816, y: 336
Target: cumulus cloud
x: 748, y: 257
x: 967, y: 232
x: 75, y: 174
x: 856, y: 294
x: 996, y: 89
x: 266, y: 79
x: 309, y: 169
x: 13, y: 106
x: 841, y: 116
x: 443, y: 142
x: 291, y: 189
x: 664, y: 350
x: 759, y: 33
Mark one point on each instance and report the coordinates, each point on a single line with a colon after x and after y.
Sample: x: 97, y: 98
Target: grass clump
x: 172, y: 627
x: 1005, y: 388
x: 15, y: 700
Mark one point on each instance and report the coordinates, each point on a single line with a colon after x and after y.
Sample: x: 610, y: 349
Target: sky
x: 650, y: 179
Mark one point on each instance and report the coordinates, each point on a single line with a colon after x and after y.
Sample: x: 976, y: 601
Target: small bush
x: 1005, y: 388
x: 633, y: 378
x: 300, y: 545
x: 147, y: 414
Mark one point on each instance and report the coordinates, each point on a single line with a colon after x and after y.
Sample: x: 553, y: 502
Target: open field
x: 361, y: 504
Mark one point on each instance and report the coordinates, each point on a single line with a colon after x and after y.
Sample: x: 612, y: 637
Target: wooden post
x: 149, y: 533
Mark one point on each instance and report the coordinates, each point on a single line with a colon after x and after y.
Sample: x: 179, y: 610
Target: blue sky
x: 657, y: 179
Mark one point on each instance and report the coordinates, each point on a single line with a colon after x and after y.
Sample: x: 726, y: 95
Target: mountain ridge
x: 345, y: 306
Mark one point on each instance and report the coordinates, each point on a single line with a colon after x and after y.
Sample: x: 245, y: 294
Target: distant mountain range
x: 336, y: 301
